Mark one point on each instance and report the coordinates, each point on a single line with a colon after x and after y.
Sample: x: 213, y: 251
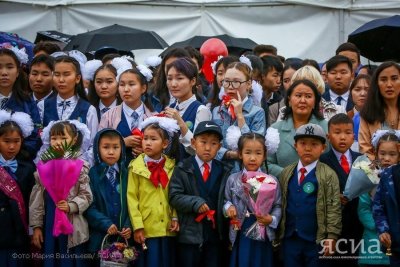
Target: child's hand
x: 37, y: 237
x: 385, y: 239
x: 137, y: 141
x: 343, y: 200
x: 204, y: 208
x: 130, y: 141
x: 63, y: 206
x: 126, y: 233
x: 231, y: 212
x: 237, y: 105
x: 138, y: 235
x: 266, y: 220
x: 329, y: 247
x: 174, y: 226
x: 136, y: 151
x: 112, y: 230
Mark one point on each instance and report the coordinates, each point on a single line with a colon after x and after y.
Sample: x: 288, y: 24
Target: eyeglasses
x: 233, y: 84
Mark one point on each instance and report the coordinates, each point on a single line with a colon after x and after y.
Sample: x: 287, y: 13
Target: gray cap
x: 310, y: 130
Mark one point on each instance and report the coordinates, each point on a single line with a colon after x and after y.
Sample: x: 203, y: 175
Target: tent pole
x: 59, y: 19
x: 341, y: 26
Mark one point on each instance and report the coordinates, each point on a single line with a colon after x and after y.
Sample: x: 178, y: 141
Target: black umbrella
x: 236, y: 46
x: 379, y: 39
x: 117, y: 36
x: 54, y: 36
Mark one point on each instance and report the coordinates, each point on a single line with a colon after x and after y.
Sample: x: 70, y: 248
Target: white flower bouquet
x: 363, y: 177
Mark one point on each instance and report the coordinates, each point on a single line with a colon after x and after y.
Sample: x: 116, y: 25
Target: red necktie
x: 158, y: 174
x: 344, y: 163
x: 206, y: 172
x: 303, y: 175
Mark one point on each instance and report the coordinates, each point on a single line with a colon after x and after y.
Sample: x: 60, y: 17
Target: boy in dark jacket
x: 108, y: 214
x: 196, y: 191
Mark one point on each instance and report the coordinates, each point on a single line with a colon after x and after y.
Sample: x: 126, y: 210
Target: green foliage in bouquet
x: 66, y: 151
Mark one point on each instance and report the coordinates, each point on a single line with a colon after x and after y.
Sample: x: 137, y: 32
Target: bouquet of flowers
x: 261, y: 189
x: 116, y: 254
x: 59, y: 170
x: 363, y: 177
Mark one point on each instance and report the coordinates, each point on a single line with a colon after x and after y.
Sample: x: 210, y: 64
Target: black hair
x: 225, y: 61
x: 94, y: 99
x: 194, y: 53
x: 252, y: 137
x: 374, y: 108
x: 172, y: 150
x: 79, y: 88
x: 334, y: 61
x: 340, y: 118
x: 143, y: 81
x: 349, y: 47
x: 46, y: 46
x: 311, y: 62
x: 45, y: 59
x: 21, y: 84
x: 387, y: 137
x: 59, y: 127
x: 370, y: 69
x: 109, y: 57
x: 160, y: 87
x: 316, y: 111
x: 110, y: 134
x: 260, y: 49
x: 270, y: 63
x: 365, y: 77
x: 10, y: 126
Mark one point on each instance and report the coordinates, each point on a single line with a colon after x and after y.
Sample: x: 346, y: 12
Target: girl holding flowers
x: 243, y: 191
x: 61, y: 194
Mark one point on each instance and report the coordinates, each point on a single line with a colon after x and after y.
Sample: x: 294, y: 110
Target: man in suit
x: 340, y: 158
x: 339, y: 77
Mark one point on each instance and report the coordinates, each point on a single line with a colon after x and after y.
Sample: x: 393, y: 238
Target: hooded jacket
x: 98, y: 216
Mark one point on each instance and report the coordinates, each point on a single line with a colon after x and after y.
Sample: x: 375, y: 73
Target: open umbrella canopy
x: 120, y: 37
x: 54, y: 36
x: 378, y: 40
x: 14, y: 40
x: 236, y: 46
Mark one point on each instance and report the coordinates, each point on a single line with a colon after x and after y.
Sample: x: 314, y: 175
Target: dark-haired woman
x: 381, y: 111
x: 302, y: 107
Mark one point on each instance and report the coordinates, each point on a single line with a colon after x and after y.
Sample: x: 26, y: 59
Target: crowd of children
x: 184, y: 174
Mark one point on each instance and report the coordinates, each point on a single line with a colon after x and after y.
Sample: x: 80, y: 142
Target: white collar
x: 148, y: 159
x: 2, y: 158
x: 44, y: 98
x: 3, y: 96
x: 246, y: 171
x: 185, y: 104
x: 129, y: 111
x: 334, y: 96
x: 309, y: 167
x: 72, y: 99
x: 200, y: 162
x: 115, y: 166
x: 113, y: 104
x: 347, y: 154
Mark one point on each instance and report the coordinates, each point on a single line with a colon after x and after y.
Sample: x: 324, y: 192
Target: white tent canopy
x: 305, y: 29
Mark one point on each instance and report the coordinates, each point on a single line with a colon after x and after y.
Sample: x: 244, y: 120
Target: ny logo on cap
x: 309, y: 130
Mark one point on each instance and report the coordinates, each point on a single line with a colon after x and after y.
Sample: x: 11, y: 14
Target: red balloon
x: 211, y: 50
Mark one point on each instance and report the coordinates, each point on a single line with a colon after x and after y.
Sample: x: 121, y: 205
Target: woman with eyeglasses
x: 237, y: 108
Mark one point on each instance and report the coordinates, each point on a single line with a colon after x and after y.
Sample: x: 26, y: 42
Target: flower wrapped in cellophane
x: 363, y: 177
x: 261, y: 189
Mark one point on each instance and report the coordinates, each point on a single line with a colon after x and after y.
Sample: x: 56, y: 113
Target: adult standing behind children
x: 311, y: 201
x: 302, y: 107
x: 339, y: 77
x: 382, y: 109
x: 340, y: 158
x: 196, y: 191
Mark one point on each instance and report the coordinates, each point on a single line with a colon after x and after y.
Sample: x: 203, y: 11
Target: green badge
x: 189, y: 124
x: 308, y: 188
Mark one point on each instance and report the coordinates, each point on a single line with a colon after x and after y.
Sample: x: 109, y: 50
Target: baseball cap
x: 310, y: 130
x: 208, y: 127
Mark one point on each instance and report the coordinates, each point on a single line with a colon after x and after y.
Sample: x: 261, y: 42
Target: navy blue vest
x: 189, y: 117
x: 301, y: 217
x: 50, y: 111
x: 209, y: 191
x: 125, y: 130
x: 113, y: 200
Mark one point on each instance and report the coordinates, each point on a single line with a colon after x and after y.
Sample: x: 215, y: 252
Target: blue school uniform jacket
x: 99, y: 215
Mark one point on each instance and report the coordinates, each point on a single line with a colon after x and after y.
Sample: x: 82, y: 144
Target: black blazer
x: 349, y: 105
